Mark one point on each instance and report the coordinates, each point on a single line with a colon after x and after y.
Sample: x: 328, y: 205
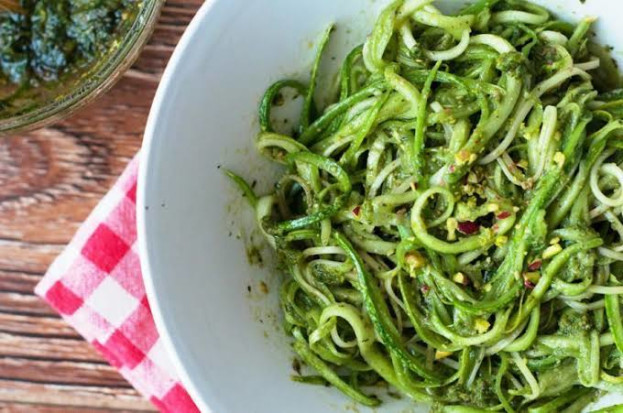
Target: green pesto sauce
x: 49, y: 41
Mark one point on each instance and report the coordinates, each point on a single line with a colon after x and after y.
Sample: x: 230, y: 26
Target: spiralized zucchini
x: 451, y: 225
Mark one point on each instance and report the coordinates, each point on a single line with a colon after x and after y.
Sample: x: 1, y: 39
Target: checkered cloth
x: 96, y: 286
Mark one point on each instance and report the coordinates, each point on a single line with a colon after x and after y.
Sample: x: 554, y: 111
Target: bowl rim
x: 163, y: 318
x: 149, y: 142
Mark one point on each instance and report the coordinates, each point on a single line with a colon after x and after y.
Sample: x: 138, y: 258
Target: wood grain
x: 50, y: 180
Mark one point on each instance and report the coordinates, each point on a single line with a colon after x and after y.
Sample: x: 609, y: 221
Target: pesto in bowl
x: 56, y: 55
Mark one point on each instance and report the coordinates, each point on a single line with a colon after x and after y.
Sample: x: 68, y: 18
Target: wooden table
x: 49, y: 182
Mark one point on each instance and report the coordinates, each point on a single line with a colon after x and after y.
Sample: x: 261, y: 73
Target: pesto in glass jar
x: 45, y: 43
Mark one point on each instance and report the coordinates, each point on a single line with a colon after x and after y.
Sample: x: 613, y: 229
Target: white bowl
x: 227, y: 343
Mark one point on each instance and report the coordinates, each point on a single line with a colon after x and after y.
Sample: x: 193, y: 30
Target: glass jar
x: 79, y: 89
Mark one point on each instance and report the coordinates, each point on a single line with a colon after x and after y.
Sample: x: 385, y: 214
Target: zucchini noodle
x: 450, y: 226
x: 553, y: 37
x: 453, y: 52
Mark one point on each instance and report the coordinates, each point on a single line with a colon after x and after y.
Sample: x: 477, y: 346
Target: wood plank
x: 47, y: 348
x: 42, y: 327
x: 25, y: 256
x: 60, y: 372
x: 17, y: 281
x: 29, y: 408
x: 24, y: 304
x: 12, y: 391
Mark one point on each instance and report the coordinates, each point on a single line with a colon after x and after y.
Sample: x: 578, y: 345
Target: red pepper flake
x: 504, y: 215
x: 468, y: 227
x: 451, y: 168
x: 535, y: 265
x: 528, y: 284
x: 357, y: 211
x: 424, y: 288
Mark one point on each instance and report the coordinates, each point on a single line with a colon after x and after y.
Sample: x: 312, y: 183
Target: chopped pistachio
x: 451, y: 225
x: 551, y: 251
x: 481, y: 325
x: 501, y: 240
x: 462, y: 157
x: 439, y: 355
x: 415, y: 261
x: 459, y: 278
x: 533, y: 277
x: 468, y: 189
x: 523, y: 164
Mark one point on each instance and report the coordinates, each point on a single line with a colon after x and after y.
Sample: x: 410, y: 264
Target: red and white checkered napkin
x: 96, y: 285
